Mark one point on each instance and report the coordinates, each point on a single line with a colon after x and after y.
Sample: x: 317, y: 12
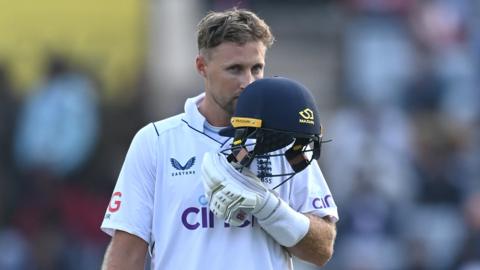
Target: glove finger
x: 241, y: 203
x: 214, y: 204
x: 220, y: 200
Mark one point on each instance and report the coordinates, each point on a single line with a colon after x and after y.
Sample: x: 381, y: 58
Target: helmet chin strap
x: 296, y: 154
x: 241, y: 156
x: 240, y: 153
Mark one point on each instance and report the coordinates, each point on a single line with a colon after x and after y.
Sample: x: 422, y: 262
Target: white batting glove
x: 233, y: 196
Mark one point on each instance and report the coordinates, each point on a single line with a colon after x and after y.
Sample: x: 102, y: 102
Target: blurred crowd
x: 61, y: 150
x: 404, y: 163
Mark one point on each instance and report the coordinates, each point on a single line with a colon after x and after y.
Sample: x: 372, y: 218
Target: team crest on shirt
x: 182, y: 169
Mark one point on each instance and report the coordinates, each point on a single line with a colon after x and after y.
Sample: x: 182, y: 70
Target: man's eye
x: 234, y: 69
x: 257, y: 69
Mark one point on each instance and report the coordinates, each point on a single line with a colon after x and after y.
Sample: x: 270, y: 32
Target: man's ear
x: 201, y: 65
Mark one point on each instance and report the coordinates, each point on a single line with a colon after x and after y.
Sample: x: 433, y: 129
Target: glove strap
x: 284, y: 224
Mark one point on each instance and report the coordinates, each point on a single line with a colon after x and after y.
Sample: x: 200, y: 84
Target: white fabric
x: 159, y: 197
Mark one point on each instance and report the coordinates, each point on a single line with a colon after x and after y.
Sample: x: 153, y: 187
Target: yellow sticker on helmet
x: 246, y: 122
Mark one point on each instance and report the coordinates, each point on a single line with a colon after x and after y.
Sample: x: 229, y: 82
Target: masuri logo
x: 306, y: 116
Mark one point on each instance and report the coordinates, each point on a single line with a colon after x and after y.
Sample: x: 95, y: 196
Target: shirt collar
x: 192, y: 115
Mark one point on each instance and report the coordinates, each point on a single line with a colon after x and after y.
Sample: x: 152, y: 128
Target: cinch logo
x: 182, y: 170
x: 306, y: 117
x: 201, y: 217
x: 319, y: 203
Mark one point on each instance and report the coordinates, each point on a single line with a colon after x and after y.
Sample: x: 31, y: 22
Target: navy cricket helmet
x: 276, y: 112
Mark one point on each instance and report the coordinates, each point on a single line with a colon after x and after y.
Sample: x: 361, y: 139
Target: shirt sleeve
x: 131, y: 205
x: 310, y: 193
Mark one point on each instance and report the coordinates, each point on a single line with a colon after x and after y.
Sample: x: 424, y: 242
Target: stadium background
x: 397, y: 83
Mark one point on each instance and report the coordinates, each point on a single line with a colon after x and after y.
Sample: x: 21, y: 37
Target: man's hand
x: 233, y: 195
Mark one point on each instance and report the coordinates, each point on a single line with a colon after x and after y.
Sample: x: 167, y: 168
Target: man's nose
x: 247, y: 79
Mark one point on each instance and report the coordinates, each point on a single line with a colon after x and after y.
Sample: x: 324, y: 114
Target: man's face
x: 228, y: 69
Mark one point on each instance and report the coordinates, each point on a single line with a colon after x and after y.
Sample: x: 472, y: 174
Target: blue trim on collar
x: 201, y: 132
x: 156, y: 130
x: 195, y: 120
x: 192, y: 115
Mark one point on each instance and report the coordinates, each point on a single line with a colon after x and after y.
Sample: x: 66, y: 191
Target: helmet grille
x: 269, y: 140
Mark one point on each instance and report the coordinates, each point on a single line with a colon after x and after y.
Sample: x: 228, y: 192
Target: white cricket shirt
x: 159, y: 197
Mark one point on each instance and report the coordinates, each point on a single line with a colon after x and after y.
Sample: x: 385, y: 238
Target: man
x: 159, y: 203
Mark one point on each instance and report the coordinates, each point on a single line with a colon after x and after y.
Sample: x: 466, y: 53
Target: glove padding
x: 233, y: 195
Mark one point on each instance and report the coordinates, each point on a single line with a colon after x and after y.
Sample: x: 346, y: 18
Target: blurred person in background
x: 442, y: 102
x: 411, y: 105
x: 58, y: 124
x: 55, y: 134
x: 158, y: 204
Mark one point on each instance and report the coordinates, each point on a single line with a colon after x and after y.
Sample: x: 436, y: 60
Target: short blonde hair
x: 234, y: 25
